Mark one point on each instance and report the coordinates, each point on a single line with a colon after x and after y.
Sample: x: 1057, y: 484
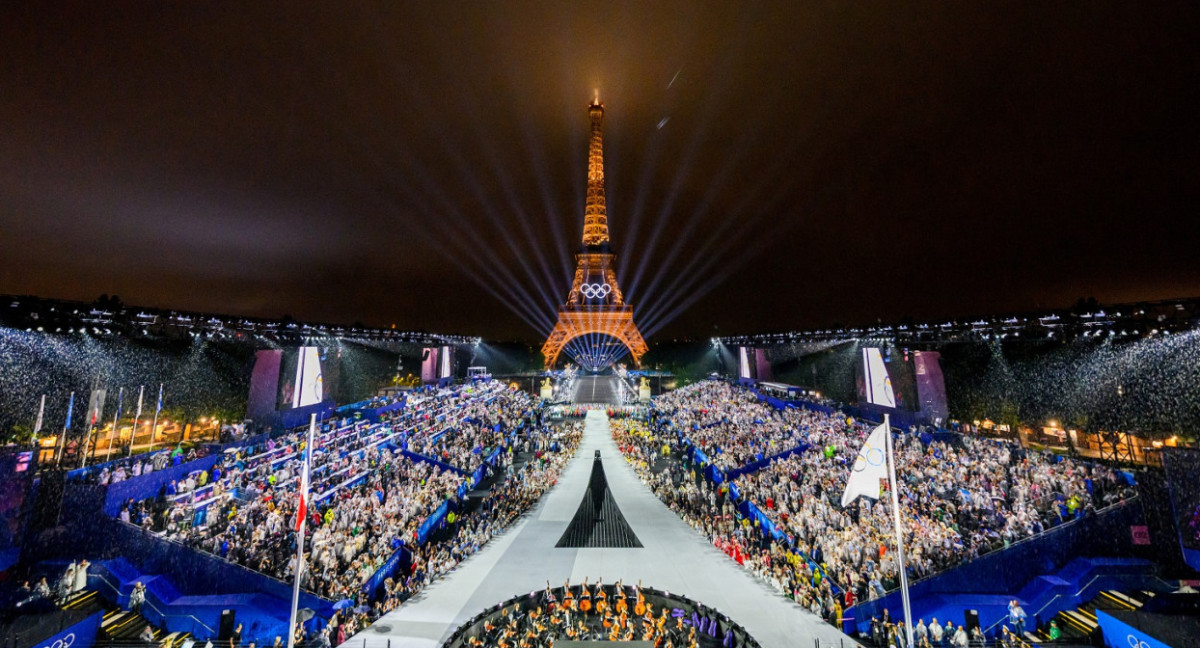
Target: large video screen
x: 429, y: 365
x: 888, y: 375
x: 447, y: 362
x: 745, y: 369
x: 307, y: 376
x: 762, y: 365
x: 877, y: 385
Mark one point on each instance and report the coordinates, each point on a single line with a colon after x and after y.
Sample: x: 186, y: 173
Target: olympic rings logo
x: 65, y: 642
x: 869, y: 457
x: 595, y: 290
x: 1134, y: 642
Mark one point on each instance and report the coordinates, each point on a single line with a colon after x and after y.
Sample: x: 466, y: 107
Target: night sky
x: 769, y: 166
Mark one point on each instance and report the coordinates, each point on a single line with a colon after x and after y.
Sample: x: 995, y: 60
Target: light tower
x: 595, y: 305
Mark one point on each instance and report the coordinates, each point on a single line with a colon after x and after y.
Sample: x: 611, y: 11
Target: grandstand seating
x: 187, y: 589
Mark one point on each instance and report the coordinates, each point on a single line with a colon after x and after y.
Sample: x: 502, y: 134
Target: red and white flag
x: 302, y: 509
x: 302, y: 505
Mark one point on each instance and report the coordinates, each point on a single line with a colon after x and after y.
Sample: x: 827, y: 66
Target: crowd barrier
x: 478, y: 475
x: 756, y: 466
x: 899, y: 418
x: 149, y: 486
x: 371, y: 414
x: 432, y: 522
x: 430, y: 460
x: 300, y: 416
x: 400, y: 560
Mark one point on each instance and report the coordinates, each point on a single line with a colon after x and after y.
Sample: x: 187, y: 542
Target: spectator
x: 137, y: 598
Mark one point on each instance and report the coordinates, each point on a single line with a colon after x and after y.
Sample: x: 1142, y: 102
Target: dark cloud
x: 423, y: 163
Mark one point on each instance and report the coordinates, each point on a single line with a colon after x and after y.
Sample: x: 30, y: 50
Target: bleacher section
x: 187, y: 588
x: 1043, y: 571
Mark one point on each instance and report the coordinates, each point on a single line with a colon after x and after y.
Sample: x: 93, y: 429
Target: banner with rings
x: 80, y: 635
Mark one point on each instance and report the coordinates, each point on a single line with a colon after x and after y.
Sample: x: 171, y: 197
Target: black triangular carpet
x: 598, y: 522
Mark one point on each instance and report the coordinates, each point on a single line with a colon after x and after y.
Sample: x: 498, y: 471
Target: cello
x: 585, y: 598
x: 601, y: 598
x: 568, y: 598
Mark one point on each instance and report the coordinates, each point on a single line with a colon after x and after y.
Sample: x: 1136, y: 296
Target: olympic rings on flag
x: 868, y: 456
x: 595, y: 290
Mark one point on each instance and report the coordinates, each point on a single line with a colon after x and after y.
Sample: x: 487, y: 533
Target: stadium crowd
x: 663, y: 464
x: 960, y: 499
x: 368, y: 496
x: 732, y: 426
x: 530, y: 468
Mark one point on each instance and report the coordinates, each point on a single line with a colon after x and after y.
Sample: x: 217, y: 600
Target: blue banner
x: 430, y: 460
x: 755, y: 466
x: 1118, y: 634
x: 80, y: 635
x: 400, y: 559
x: 431, y: 523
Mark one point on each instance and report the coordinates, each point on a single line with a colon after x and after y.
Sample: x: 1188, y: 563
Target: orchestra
x: 584, y: 616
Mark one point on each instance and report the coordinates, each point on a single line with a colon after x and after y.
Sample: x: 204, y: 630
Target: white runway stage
x: 674, y: 558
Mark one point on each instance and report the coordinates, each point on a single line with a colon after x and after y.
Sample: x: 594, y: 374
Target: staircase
x: 1080, y: 625
x: 122, y: 628
x: 87, y: 601
x: 597, y: 390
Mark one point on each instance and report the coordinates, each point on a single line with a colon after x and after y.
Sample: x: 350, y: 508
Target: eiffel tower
x: 595, y: 305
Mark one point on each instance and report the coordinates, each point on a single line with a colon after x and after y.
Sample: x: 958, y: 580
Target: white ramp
x: 674, y: 558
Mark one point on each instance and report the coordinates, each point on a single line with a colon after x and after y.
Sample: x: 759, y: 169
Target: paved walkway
x: 674, y: 558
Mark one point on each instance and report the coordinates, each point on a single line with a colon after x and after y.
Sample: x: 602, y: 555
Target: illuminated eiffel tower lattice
x: 595, y: 312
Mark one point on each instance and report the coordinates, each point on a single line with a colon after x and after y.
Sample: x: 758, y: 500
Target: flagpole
x: 62, y: 443
x: 154, y: 425
x: 37, y: 426
x: 92, y: 416
x: 113, y: 431
x: 899, y: 534
x: 138, y: 415
x: 308, y: 452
